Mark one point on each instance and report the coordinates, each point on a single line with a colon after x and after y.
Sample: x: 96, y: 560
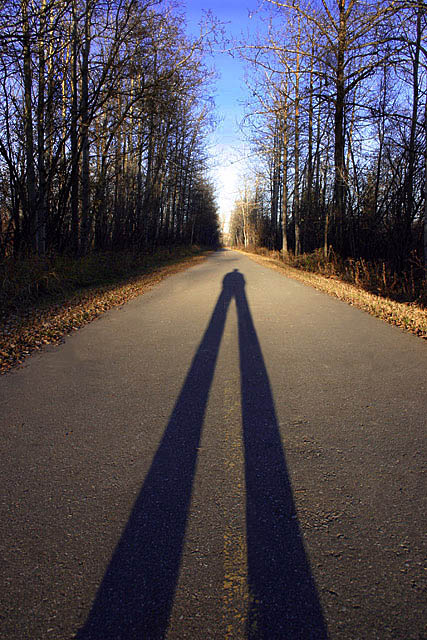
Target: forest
x: 103, y: 121
x: 337, y: 122
x: 106, y: 113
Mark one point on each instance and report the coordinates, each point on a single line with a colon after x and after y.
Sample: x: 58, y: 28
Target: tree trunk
x: 339, y: 150
x: 30, y: 194
x: 86, y: 214
x: 410, y: 174
x: 425, y: 191
x: 285, y: 174
x: 74, y: 187
x: 41, y: 125
x: 296, y: 203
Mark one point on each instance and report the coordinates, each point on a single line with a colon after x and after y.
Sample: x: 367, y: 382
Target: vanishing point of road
x: 231, y: 455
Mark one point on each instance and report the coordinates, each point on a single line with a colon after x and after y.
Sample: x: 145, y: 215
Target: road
x: 232, y: 455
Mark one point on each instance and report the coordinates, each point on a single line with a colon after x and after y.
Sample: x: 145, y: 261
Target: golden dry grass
x: 408, y: 316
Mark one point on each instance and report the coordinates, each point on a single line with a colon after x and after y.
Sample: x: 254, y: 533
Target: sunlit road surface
x: 231, y: 455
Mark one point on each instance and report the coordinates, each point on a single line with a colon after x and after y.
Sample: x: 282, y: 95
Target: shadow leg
x: 136, y: 595
x: 283, y: 599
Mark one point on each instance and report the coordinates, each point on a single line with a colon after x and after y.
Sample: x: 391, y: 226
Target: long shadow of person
x: 136, y: 595
x: 283, y: 598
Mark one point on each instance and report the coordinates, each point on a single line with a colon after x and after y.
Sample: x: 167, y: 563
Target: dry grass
x: 25, y: 282
x: 409, y: 316
x: 27, y: 328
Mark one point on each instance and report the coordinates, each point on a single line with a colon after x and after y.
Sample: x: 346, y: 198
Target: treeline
x: 103, y: 118
x: 339, y: 122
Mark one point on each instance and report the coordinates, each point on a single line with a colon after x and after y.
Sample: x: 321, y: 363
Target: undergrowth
x: 44, y: 300
x: 29, y: 281
x: 372, y: 289
x: 377, y: 278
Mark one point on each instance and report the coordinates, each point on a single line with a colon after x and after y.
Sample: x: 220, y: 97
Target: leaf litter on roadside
x: 26, y: 332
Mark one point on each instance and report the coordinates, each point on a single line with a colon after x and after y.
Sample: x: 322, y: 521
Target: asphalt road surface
x: 232, y: 455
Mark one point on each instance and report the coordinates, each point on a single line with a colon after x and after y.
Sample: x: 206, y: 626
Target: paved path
x: 232, y: 455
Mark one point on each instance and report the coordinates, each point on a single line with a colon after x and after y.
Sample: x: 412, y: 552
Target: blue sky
x: 227, y: 148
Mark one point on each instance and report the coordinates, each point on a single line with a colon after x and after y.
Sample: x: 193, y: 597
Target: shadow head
x: 233, y: 282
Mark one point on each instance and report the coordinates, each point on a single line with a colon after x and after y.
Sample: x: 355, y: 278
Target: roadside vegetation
x: 43, y: 300
x: 105, y: 112
x: 336, y: 192
x: 401, y: 302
